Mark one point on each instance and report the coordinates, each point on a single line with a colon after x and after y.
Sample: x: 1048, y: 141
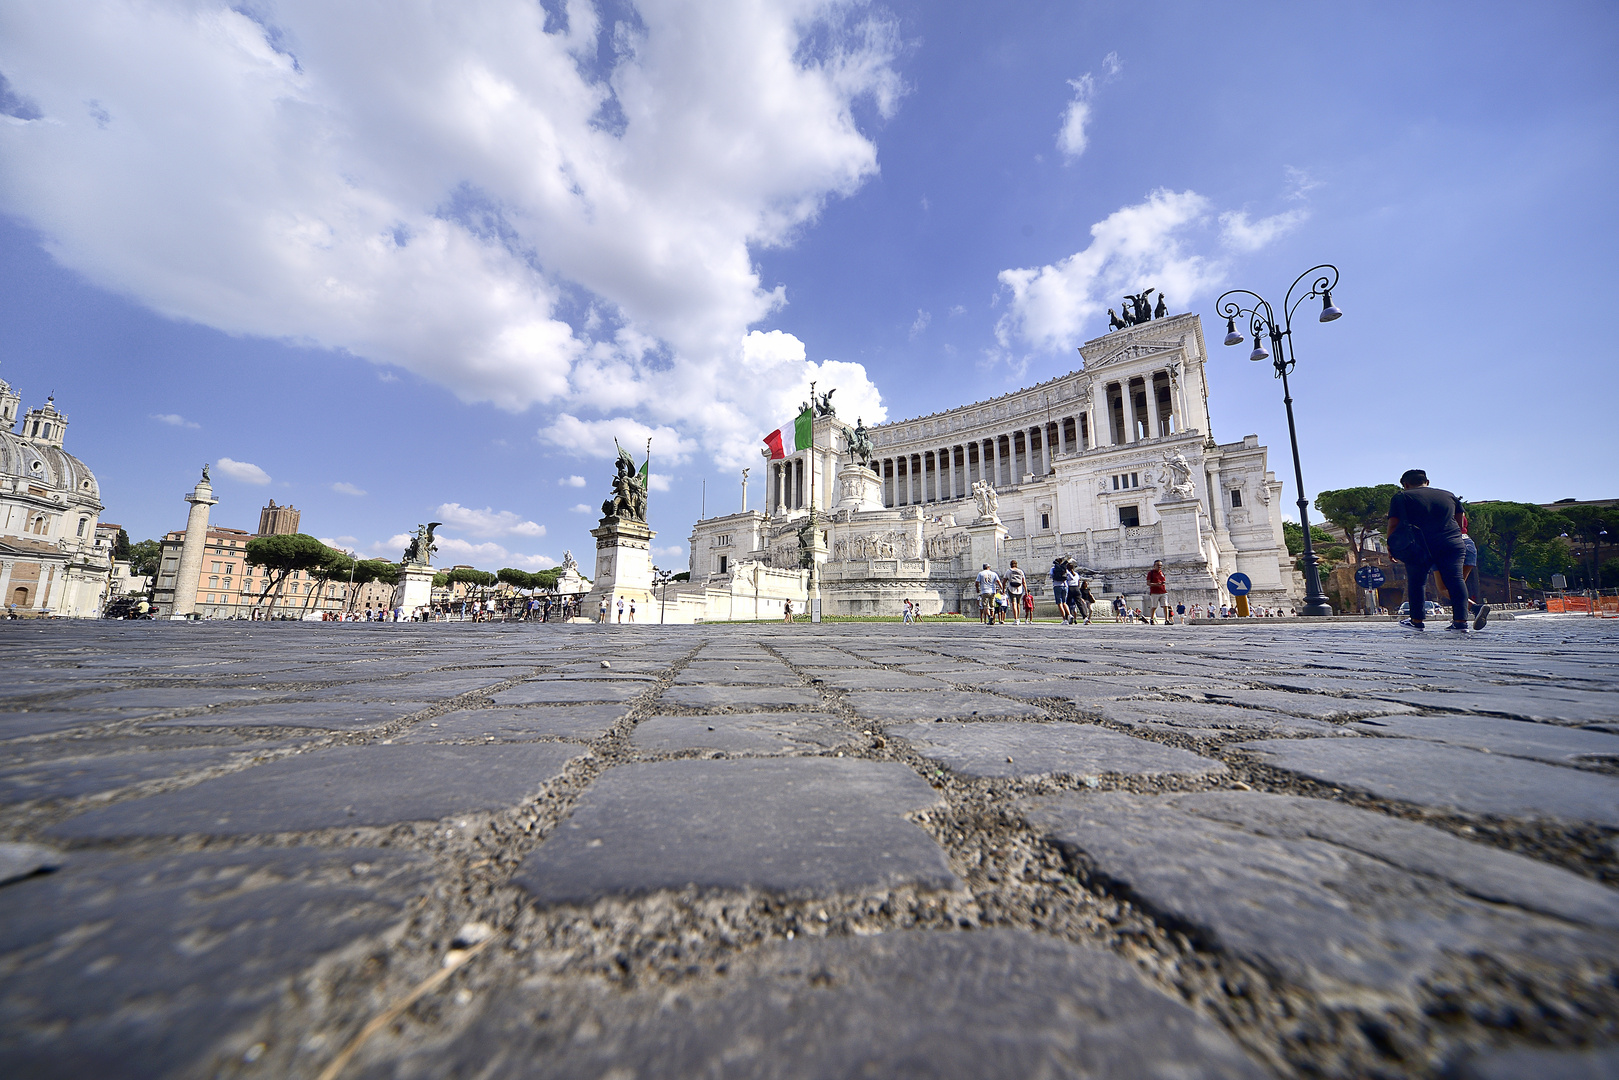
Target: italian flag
x: 791, y: 436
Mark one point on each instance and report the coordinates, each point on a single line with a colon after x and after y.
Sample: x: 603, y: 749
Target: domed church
x: 51, y: 562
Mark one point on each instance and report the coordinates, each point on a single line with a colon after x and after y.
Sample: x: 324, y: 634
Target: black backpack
x: 1407, y: 544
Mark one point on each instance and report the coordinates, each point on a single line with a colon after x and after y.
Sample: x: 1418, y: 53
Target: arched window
x: 40, y: 525
x: 213, y: 583
x: 19, y: 597
x: 82, y: 523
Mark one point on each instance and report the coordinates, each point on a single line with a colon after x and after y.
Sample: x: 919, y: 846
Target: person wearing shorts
x: 1059, y: 587
x: 989, y: 583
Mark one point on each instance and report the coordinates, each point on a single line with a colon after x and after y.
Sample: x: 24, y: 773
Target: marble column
x: 191, y: 551
x: 951, y: 463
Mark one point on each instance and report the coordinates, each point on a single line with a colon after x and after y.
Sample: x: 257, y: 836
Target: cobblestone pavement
x: 856, y: 850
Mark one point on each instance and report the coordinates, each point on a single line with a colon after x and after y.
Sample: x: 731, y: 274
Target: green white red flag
x: 791, y: 436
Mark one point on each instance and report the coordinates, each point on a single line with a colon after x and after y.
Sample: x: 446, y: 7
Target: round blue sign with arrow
x: 1239, y: 585
x: 1369, y: 577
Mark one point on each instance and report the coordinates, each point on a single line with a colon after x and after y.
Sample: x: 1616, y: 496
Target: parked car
x: 1432, y: 608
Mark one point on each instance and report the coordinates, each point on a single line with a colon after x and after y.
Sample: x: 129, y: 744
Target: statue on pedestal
x: 860, y: 445
x: 568, y: 562
x: 988, y: 502
x: 1176, y: 476
x: 629, y: 491
x: 421, y: 549
x: 205, y: 475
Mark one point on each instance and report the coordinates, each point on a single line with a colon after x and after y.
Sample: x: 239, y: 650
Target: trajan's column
x: 185, y: 585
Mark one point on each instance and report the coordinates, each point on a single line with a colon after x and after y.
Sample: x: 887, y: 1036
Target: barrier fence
x: 1606, y: 607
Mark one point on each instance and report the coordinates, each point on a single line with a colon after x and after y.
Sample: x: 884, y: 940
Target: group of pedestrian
x: 1427, y: 531
x: 1072, y: 593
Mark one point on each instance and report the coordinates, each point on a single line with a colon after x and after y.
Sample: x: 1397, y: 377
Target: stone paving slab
x: 172, y: 697
x: 36, y: 722
x: 343, y: 786
x: 795, y: 826
x: 941, y: 704
x: 1516, y: 702
x: 1335, y: 899
x: 747, y: 733
x: 738, y: 675
x: 62, y: 778
x: 941, y: 1006
x: 579, y: 722
x: 20, y: 860
x: 877, y: 679
x: 1210, y: 719
x: 327, y: 716
x: 559, y: 692
x: 739, y: 697
x: 1431, y: 774
x: 1524, y: 1063
x: 1018, y: 749
x: 1315, y: 706
x: 136, y: 967
x: 1517, y: 738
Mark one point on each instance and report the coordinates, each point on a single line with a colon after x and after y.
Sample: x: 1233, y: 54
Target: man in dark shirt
x: 1435, y: 512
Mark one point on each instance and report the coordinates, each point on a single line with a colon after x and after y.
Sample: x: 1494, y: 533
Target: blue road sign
x: 1239, y: 585
x: 1369, y: 577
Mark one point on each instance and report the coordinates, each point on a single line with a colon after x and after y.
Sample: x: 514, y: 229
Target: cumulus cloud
x: 524, y: 205
x: 245, y: 471
x: 572, y: 481
x: 343, y: 487
x: 174, y: 420
x: 1132, y: 248
x: 487, y: 556
x: 1154, y: 244
x: 1244, y: 235
x: 603, y: 438
x: 486, y: 522
x: 1071, y: 138
x: 920, y: 323
x: 582, y: 508
x: 657, y: 481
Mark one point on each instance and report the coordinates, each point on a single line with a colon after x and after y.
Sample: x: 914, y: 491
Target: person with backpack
x: 1425, y: 533
x: 989, y: 583
x: 1059, y: 587
x: 1016, y: 585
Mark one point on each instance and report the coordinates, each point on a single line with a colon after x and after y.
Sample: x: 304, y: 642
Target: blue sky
x: 393, y: 263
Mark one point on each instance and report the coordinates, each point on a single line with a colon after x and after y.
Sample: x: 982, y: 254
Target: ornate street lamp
x: 1262, y: 324
x: 661, y: 578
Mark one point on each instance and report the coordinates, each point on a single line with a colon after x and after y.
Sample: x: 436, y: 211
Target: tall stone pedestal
x: 989, y: 540
x: 623, y: 567
x: 413, y: 589
x: 859, y: 488
x: 1178, y: 521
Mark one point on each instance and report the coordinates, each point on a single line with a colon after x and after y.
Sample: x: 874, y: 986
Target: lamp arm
x: 1260, y: 317
x: 1323, y: 284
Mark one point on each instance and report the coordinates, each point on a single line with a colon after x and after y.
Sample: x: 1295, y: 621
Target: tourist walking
x: 786, y: 611
x: 1059, y: 587
x: 621, y: 609
x: 1158, y: 593
x: 1015, y: 588
x: 988, y: 583
x: 1028, y: 607
x: 907, y: 612
x: 1425, y: 533
x: 1475, y: 595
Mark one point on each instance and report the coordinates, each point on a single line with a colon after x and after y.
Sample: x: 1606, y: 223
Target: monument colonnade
x: 1141, y: 407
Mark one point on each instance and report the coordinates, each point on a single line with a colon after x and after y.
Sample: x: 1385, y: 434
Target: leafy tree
x: 144, y: 558
x: 441, y: 580
x: 284, y: 554
x: 684, y: 575
x: 1506, y: 527
x: 1358, y: 511
x: 120, y: 545
x: 518, y: 579
x: 1593, y: 525
x: 1328, y: 551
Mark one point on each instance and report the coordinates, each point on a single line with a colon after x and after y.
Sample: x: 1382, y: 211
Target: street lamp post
x: 1262, y: 323
x: 662, y: 578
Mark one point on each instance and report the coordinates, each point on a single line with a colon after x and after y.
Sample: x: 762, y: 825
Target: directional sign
x: 1369, y: 577
x: 1239, y: 585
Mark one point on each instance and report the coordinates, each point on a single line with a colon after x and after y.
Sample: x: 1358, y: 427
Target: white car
x: 1432, y: 608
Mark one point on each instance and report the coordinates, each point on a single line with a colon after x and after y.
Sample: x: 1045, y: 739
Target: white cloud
x: 424, y: 185
x: 246, y: 472
x: 174, y: 420
x: 342, y: 487
x: 1241, y: 234
x: 583, y: 508
x: 1112, y: 65
x: 920, y: 323
x: 486, y: 522
x: 1071, y: 138
x: 393, y: 547
x: 596, y: 438
x: 486, y: 556
x: 572, y: 481
x: 657, y: 481
x: 1299, y: 182
x: 672, y: 549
